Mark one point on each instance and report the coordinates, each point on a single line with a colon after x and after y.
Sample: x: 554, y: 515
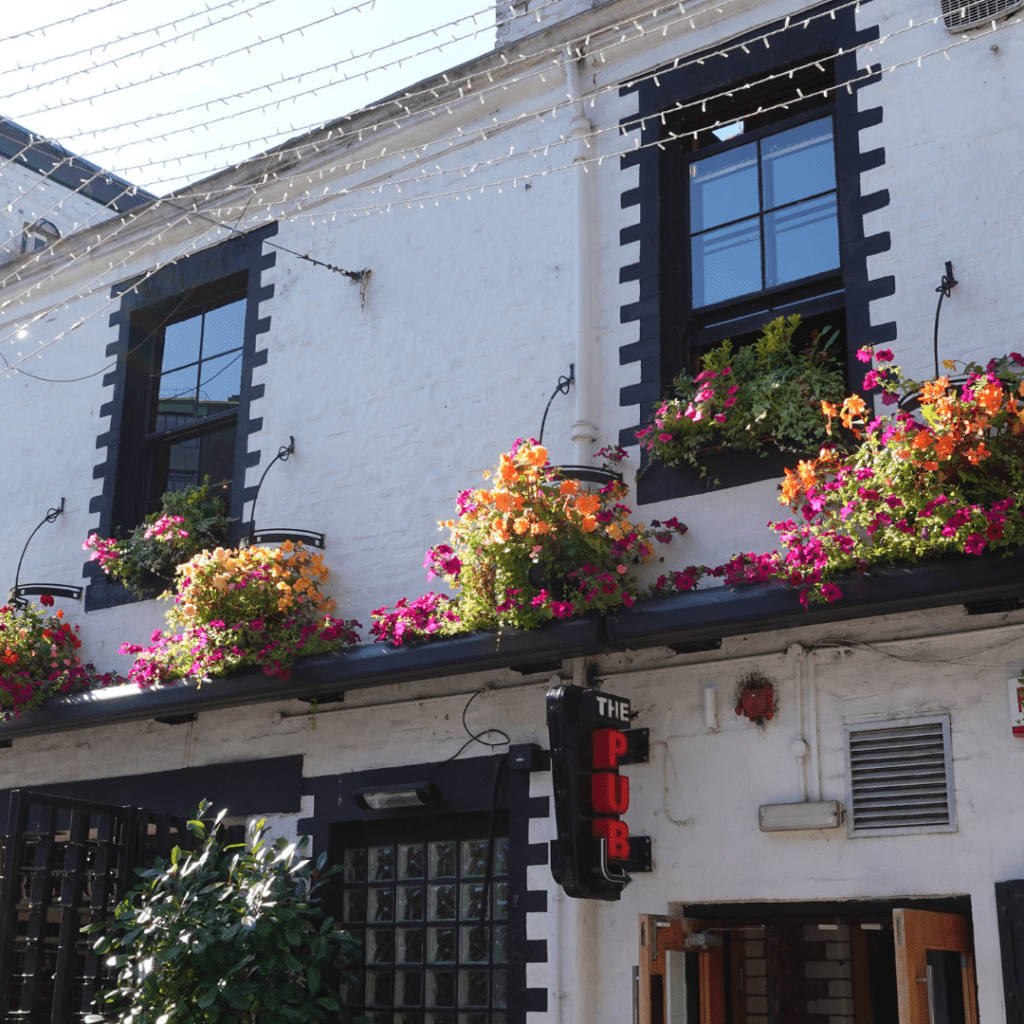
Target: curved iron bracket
x: 586, y: 474
x: 278, y: 534
x: 19, y: 592
x: 561, y: 388
x: 949, y: 282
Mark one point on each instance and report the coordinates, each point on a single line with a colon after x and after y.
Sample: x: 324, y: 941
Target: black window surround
x: 675, y: 128
x: 146, y: 435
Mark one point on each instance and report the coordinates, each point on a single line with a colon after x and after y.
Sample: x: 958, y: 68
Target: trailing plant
x: 243, y: 608
x: 39, y: 660
x: 189, y: 521
x: 226, y: 934
x: 530, y: 548
x: 765, y: 393
x: 946, y: 480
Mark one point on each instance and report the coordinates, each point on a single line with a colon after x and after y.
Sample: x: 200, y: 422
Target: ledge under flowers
x: 689, y: 617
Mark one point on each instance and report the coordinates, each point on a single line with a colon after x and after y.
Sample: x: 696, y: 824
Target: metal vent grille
x: 961, y: 14
x: 900, y: 779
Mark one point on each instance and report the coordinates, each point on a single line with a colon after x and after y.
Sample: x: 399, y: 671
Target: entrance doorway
x: 908, y: 962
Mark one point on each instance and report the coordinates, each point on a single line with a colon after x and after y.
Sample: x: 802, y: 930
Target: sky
x: 216, y: 81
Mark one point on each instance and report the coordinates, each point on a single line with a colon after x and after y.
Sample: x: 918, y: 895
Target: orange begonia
x: 588, y: 504
x: 589, y: 524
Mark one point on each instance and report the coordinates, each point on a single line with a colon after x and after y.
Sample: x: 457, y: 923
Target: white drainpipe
x: 584, y: 431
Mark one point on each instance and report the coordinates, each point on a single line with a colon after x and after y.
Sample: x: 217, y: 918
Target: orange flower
x: 504, y: 502
x: 539, y: 527
x: 933, y: 390
x: 569, y: 487
x: 979, y: 453
x: 521, y: 525
x: 933, y: 466
x: 9, y: 657
x: 807, y: 471
x: 922, y: 439
x: 507, y: 470
x: 535, y: 456
x: 990, y: 396
x: 790, y: 487
x: 944, y: 447
x: 589, y: 524
x: 828, y: 409
x: 587, y: 504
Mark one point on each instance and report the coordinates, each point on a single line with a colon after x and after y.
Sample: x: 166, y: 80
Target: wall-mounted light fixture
x: 399, y: 795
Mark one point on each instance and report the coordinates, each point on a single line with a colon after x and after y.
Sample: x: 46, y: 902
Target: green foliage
x: 227, y: 934
x: 190, y: 520
x: 766, y: 393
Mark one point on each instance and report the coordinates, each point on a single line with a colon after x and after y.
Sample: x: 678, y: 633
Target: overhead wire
x: 61, y: 21
x: 869, y: 72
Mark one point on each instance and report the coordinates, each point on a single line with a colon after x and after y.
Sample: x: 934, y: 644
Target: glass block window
x: 435, y: 933
x: 763, y: 213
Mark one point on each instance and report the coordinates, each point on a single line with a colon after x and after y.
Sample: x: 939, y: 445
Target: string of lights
x: 271, y: 85
x: 61, y: 21
x: 467, y: 191
x: 34, y: 86
x: 447, y: 193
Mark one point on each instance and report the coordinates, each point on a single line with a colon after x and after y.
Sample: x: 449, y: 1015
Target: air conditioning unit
x: 962, y: 14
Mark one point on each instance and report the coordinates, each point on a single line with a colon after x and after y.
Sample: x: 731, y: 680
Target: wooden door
x: 661, y: 936
x: 934, y: 968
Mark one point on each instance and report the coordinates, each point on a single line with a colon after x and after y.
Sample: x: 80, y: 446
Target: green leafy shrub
x: 226, y: 934
x: 766, y: 393
x: 190, y: 520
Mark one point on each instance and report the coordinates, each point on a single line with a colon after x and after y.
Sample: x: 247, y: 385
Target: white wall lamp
x: 395, y: 797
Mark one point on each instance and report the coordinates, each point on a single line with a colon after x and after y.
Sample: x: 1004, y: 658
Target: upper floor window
x: 763, y: 212
x: 194, y: 385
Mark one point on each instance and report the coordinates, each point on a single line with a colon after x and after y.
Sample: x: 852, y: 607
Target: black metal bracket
x: 528, y: 757
x: 640, y: 856
x: 586, y: 474
x: 639, y: 749
x: 561, y: 388
x: 278, y: 534
x: 19, y: 592
x: 177, y: 719
x: 949, y: 282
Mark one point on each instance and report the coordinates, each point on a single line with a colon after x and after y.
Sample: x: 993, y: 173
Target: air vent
x: 973, y: 13
x: 900, y: 778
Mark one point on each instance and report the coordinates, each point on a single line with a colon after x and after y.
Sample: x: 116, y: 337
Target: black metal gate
x: 66, y: 864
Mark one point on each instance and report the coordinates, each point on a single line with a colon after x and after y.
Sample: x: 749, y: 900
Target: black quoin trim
x: 799, y: 43
x: 243, y: 254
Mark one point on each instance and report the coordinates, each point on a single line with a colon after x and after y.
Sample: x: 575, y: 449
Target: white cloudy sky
x: 83, y: 84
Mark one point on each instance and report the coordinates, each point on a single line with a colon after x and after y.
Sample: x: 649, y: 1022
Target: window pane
x: 382, y: 863
x: 723, y: 188
x: 440, y: 988
x: 798, y: 163
x: 472, y: 901
x: 474, y: 858
x: 474, y: 944
x: 174, y: 467
x: 801, y: 240
x: 217, y: 461
x: 220, y: 381
x: 177, y: 394
x: 355, y: 865
x: 379, y: 988
x: 355, y: 905
x: 380, y: 946
x: 181, y: 343
x: 410, y: 946
x: 442, y: 860
x: 409, y: 988
x: 441, y: 945
x: 500, y: 857
x: 410, y: 902
x: 500, y: 944
x: 500, y: 984
x: 473, y: 988
x: 224, y: 329
x: 726, y: 263
x: 382, y: 904
x: 441, y: 902
x: 410, y: 861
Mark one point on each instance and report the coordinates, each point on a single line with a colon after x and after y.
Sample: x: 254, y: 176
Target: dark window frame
x: 147, y: 305
x: 669, y: 331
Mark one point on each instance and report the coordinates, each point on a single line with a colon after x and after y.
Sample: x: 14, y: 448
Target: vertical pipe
x: 812, y: 689
x: 799, y: 745
x: 584, y: 432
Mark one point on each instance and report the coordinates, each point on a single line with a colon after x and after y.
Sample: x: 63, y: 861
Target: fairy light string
x: 467, y: 191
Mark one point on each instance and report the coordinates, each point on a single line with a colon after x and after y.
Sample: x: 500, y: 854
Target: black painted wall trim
x: 654, y: 95
x: 466, y: 786
x: 269, y: 786
x: 243, y: 253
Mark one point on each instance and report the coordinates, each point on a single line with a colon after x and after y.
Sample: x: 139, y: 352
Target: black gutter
x: 680, y: 619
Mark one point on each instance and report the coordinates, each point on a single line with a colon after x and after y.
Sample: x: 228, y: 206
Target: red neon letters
x: 609, y: 791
